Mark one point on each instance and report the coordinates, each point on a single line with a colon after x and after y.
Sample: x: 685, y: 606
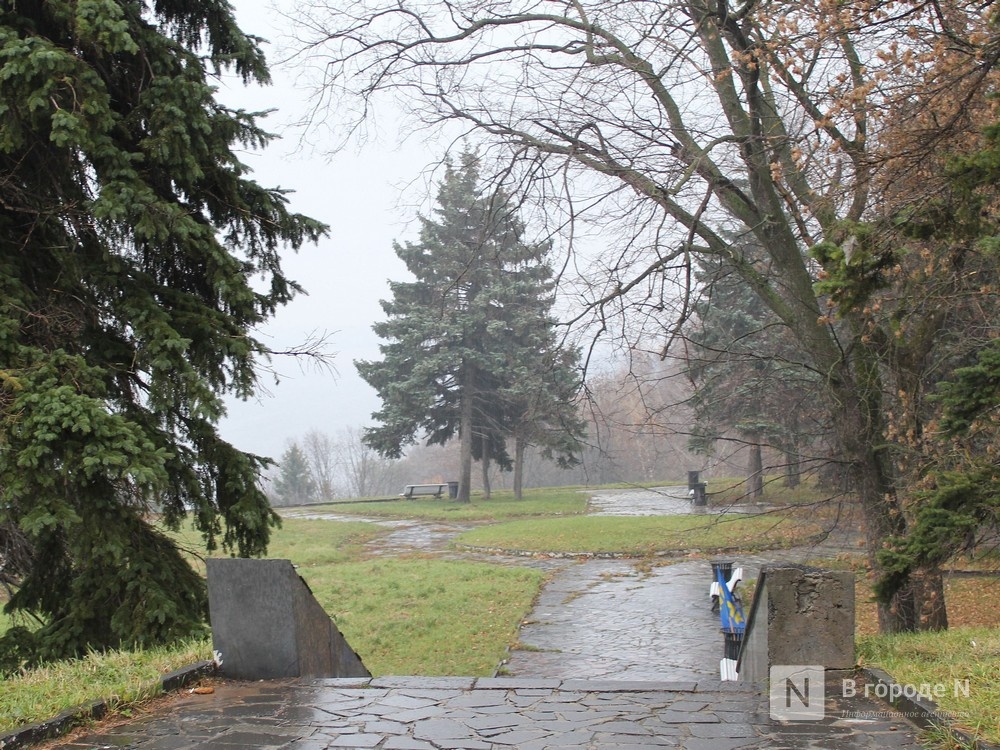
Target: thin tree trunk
x: 465, y: 437
x: 793, y: 473
x: 519, y: 449
x: 755, y: 468
x: 487, y: 488
x: 793, y: 462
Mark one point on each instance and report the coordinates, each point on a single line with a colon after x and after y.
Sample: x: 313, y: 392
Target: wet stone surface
x: 608, y: 619
x: 489, y: 714
x: 663, y: 501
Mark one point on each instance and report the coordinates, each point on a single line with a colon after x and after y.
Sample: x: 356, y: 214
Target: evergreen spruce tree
x: 748, y: 386
x: 129, y: 235
x: 541, y: 377
x: 456, y: 340
x: 295, y: 484
x: 956, y: 507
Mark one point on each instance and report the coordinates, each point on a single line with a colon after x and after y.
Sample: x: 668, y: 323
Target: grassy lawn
x: 123, y: 678
x: 305, y: 542
x: 953, y: 656
x: 644, y: 535
x: 426, y: 617
x: 559, y: 501
x: 724, y: 491
x: 406, y: 616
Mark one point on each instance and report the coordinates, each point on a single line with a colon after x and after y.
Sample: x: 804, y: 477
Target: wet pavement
x: 609, y: 619
x: 661, y: 501
x: 615, y: 654
x: 414, y: 713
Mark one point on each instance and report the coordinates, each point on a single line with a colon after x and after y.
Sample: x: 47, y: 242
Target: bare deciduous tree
x: 363, y: 472
x: 321, y: 452
x: 668, y: 123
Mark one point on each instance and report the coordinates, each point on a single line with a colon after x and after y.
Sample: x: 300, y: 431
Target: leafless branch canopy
x: 654, y: 126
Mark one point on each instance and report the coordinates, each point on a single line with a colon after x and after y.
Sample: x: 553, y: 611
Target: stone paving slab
x: 487, y: 714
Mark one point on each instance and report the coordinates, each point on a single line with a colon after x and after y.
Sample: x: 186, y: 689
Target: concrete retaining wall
x: 799, y: 616
x: 266, y: 624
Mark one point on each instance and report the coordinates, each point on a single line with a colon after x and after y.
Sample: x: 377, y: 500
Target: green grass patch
x: 306, y: 542
x: 426, y: 617
x: 310, y: 542
x: 645, y: 535
x: 416, y: 617
x: 501, y: 506
x: 122, y: 678
x: 942, y: 658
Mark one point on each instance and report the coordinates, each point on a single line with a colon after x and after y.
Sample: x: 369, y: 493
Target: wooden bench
x: 420, y: 490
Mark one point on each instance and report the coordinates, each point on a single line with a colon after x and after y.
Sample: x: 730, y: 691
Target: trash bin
x: 725, y: 566
x: 733, y: 643
x: 693, y: 477
x: 699, y: 497
x: 453, y: 490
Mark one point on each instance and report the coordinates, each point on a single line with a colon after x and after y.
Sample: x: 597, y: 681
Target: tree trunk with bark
x: 869, y: 469
x: 486, y: 463
x: 928, y: 594
x: 520, y: 446
x: 465, y: 444
x: 755, y: 469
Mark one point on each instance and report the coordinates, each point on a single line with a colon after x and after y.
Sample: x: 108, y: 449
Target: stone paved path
x: 607, y: 619
x: 664, y: 501
x: 485, y: 714
x: 614, y: 656
x: 618, y: 619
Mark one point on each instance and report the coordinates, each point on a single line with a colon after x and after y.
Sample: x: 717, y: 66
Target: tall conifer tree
x: 748, y: 385
x: 129, y: 235
x: 295, y: 484
x: 457, y: 337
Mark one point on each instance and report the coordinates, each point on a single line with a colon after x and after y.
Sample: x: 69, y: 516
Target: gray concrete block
x: 800, y: 616
x: 267, y: 624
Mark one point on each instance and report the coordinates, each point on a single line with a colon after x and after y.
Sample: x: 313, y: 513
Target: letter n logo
x: 798, y: 693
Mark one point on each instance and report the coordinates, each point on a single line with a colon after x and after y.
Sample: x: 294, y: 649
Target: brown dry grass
x: 967, y: 607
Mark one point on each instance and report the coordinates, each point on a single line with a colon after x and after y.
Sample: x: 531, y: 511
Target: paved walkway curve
x: 614, y: 656
x: 622, y: 619
x: 609, y: 619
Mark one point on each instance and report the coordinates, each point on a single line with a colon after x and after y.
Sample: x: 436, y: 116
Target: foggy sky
x: 365, y: 195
